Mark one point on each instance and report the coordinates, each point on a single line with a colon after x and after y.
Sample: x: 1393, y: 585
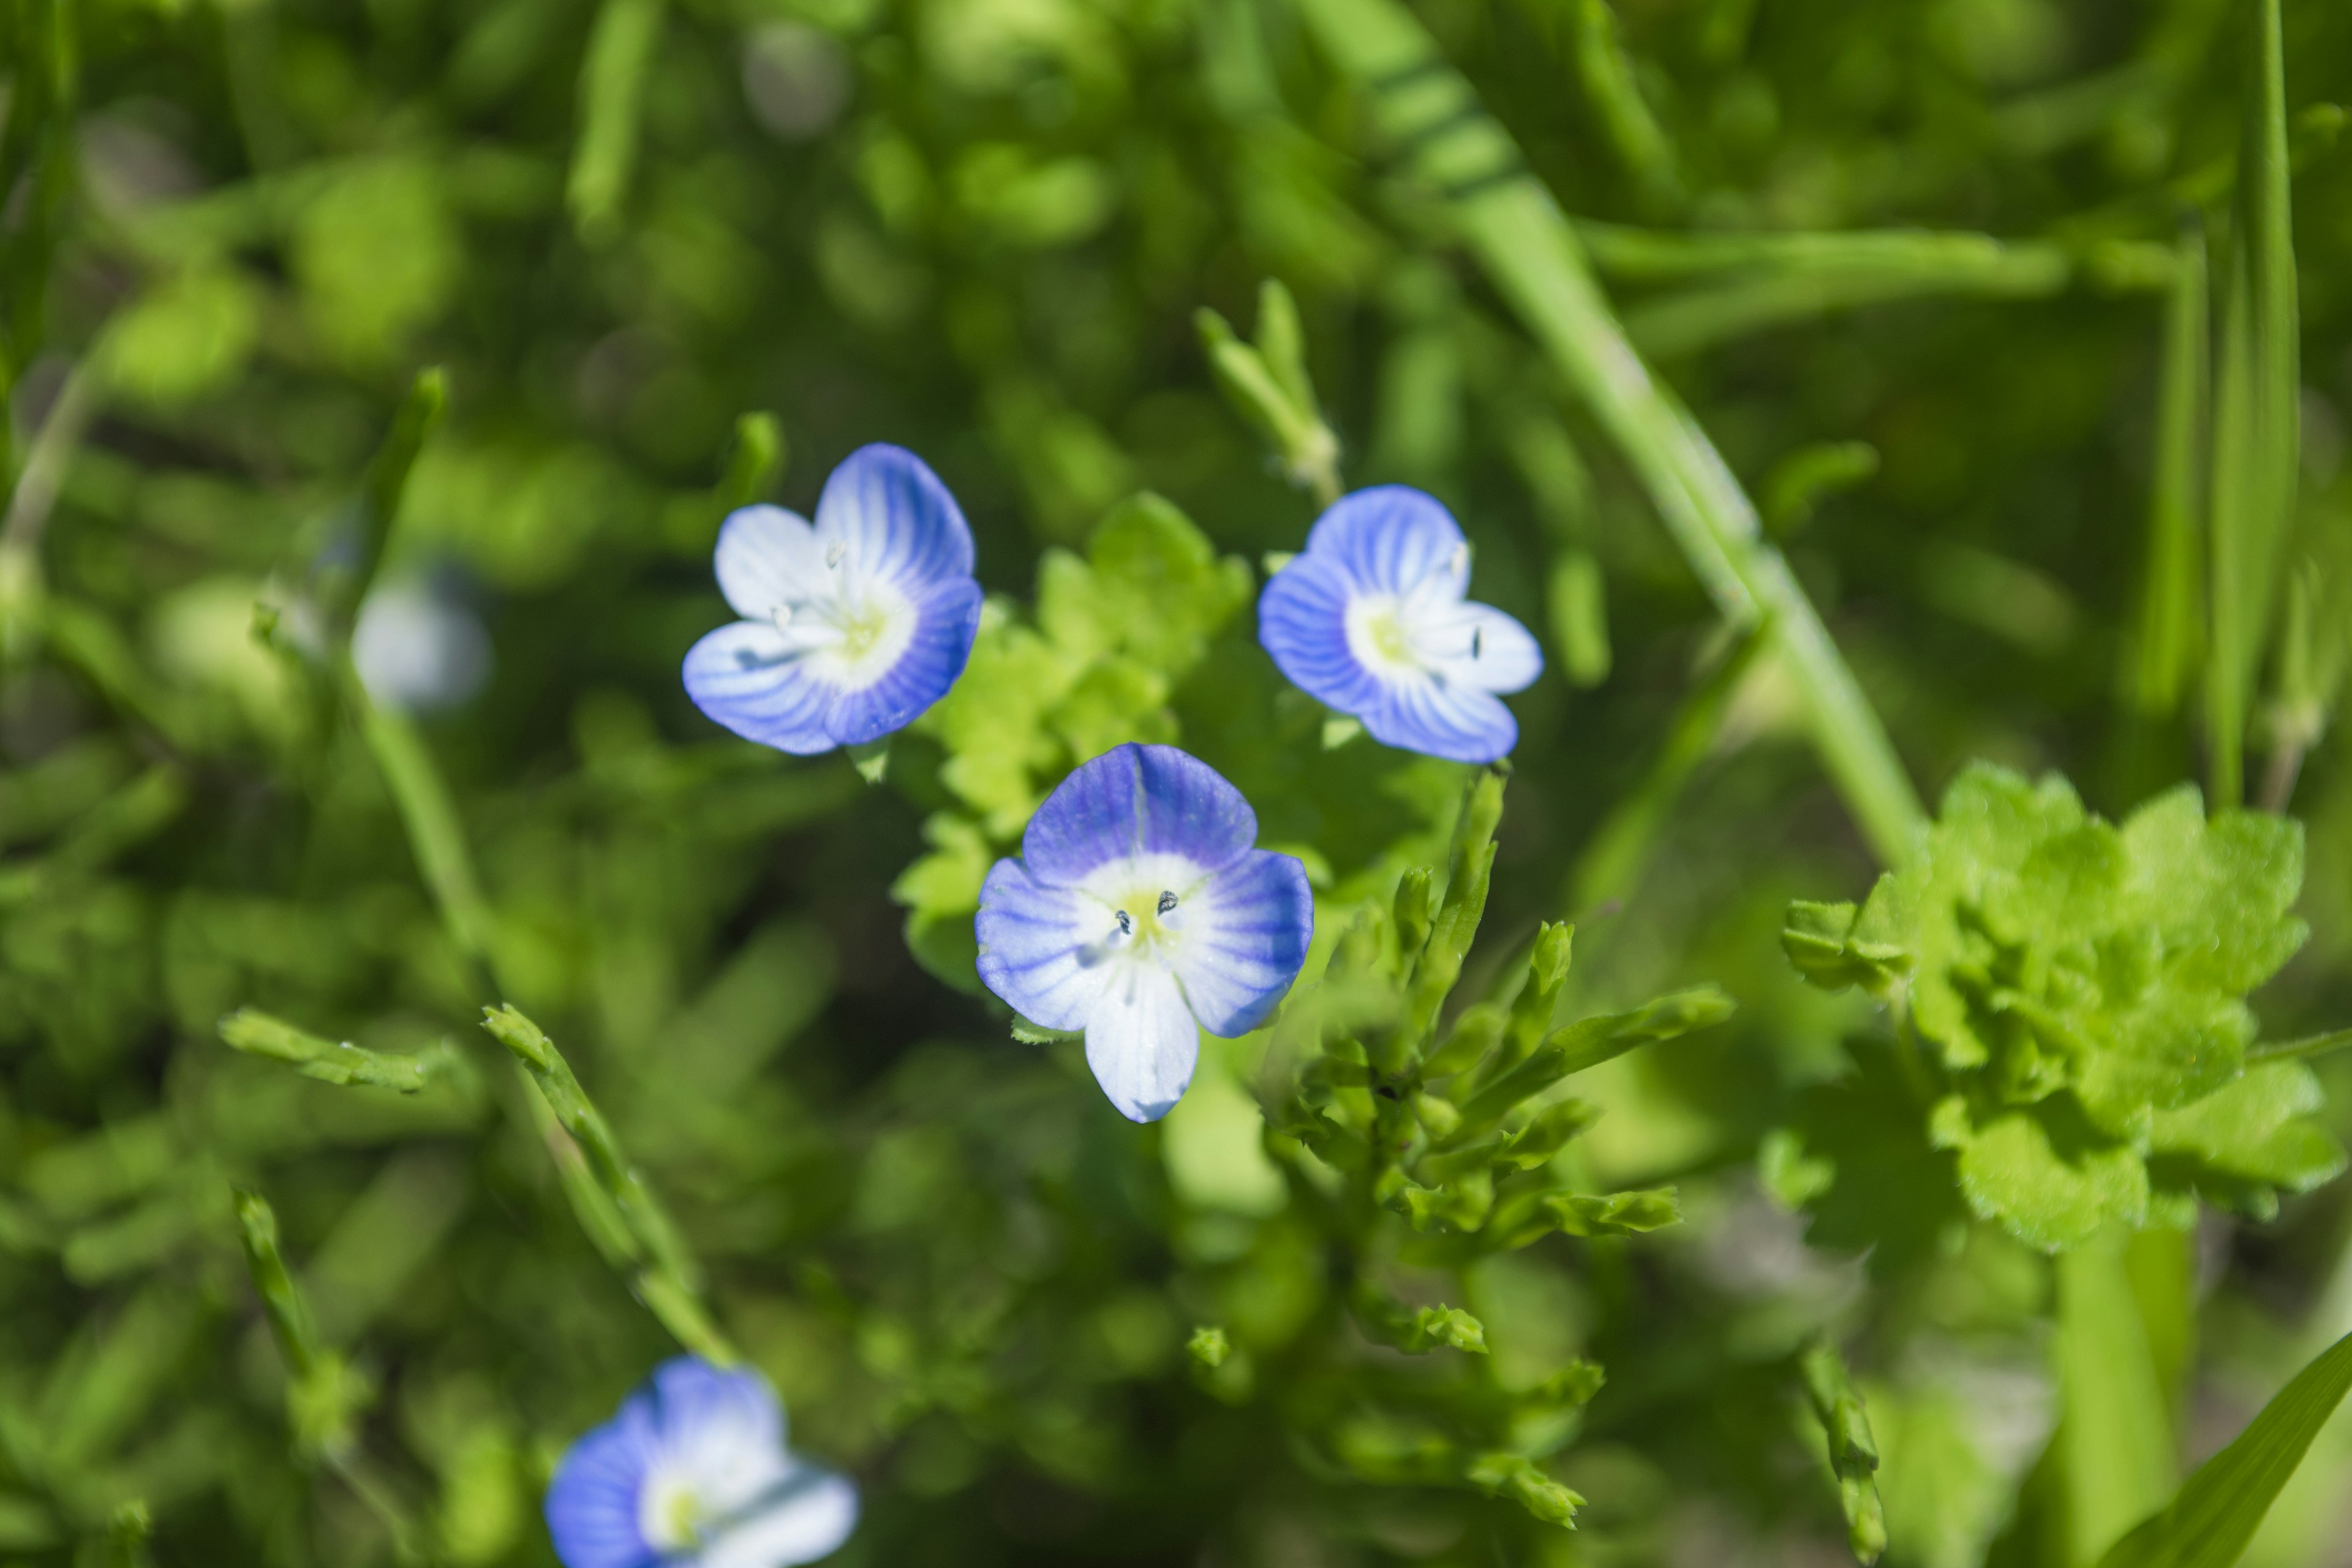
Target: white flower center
x: 1142, y: 902
x: 671, y: 1515
x: 1381, y: 633
x: 852, y: 629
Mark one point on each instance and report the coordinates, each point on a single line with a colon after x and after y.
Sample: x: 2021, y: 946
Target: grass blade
x: 612, y: 90
x: 2254, y: 409
x: 1519, y: 235
x: 2221, y: 1506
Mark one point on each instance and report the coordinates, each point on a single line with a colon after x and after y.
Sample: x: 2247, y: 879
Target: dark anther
x: 1477, y: 634
x: 1125, y: 926
x: 1167, y: 903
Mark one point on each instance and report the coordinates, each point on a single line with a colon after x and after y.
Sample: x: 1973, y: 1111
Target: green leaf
x: 2075, y: 981
x: 1588, y: 1042
x: 1818, y: 940
x: 1517, y: 1478
x: 1853, y: 1451
x: 1416, y: 1330
x: 340, y: 1062
x: 2210, y: 1522
x: 2046, y: 1173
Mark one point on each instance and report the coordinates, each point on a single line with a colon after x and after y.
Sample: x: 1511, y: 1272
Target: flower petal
x: 766, y: 557
x: 722, y: 1434
x: 804, y: 1517
x: 1040, y: 947
x: 947, y: 618
x: 1138, y: 800
x: 593, y: 1502
x: 1142, y: 1041
x: 1442, y: 717
x: 1391, y: 539
x: 893, y: 518
x: 746, y: 676
x: 1302, y: 623
x: 1478, y: 645
x: 1244, y: 934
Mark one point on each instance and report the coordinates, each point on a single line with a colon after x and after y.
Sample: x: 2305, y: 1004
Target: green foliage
x: 2072, y: 1002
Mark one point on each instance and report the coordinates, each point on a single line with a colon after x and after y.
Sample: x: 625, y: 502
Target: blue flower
x: 850, y: 628
x: 692, y: 1473
x: 1138, y: 911
x: 1370, y: 620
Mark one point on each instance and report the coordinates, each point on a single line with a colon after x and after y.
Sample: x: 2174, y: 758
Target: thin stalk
x: 2254, y: 410
x: 2164, y: 645
x: 1518, y: 234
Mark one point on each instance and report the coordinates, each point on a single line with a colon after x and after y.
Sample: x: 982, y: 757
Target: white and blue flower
x: 851, y: 627
x: 1139, y: 911
x: 692, y: 1472
x: 1370, y: 620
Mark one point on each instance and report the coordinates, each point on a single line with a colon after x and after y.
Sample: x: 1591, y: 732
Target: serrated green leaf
x: 2044, y: 1172
x: 2074, y: 980
x: 1819, y: 941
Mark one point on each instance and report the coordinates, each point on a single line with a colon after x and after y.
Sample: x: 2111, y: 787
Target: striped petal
x: 1138, y: 800
x: 1142, y: 1042
x: 1391, y: 539
x: 946, y: 619
x: 766, y: 557
x: 592, y: 1501
x: 1042, y: 948
x: 1441, y: 718
x: 805, y: 1516
x: 1302, y: 623
x: 746, y: 676
x: 890, y: 515
x: 1244, y: 933
x: 1478, y: 645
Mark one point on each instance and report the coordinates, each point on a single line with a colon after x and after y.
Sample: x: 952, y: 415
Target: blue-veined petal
x: 720, y: 1432
x: 805, y: 1516
x: 1391, y: 539
x: 1302, y: 622
x: 766, y: 557
x: 592, y: 1501
x: 1442, y: 717
x: 1142, y: 1042
x: 890, y: 515
x: 1043, y: 949
x: 1244, y: 932
x: 1137, y: 799
x: 1478, y: 645
x: 746, y: 676
x: 946, y: 619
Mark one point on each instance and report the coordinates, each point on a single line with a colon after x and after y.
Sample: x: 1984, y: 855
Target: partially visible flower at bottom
x: 692, y: 1472
x: 1139, y: 911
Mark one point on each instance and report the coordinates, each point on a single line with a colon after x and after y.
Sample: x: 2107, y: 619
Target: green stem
x: 2163, y: 650
x: 1518, y: 232
x: 2254, y: 409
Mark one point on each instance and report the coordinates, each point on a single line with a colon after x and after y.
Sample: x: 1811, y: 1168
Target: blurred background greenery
x: 231, y: 231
